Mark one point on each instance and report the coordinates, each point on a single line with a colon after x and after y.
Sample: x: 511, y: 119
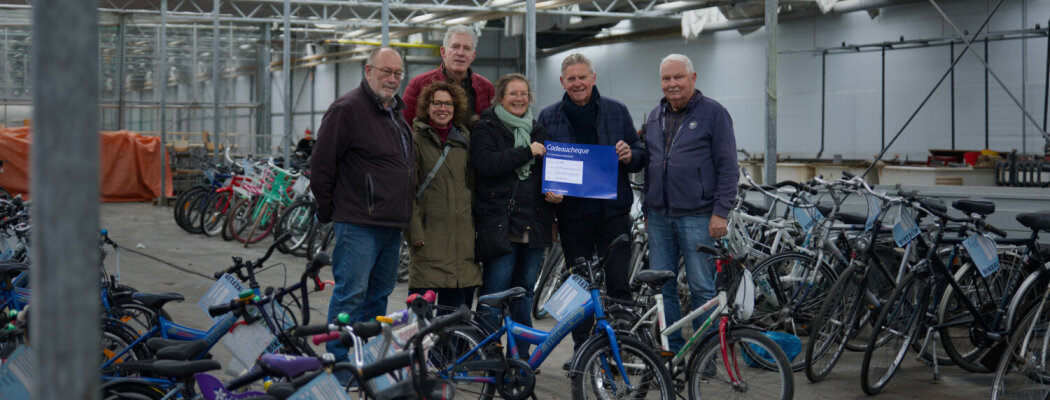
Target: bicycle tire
x: 597, y: 367
x: 122, y: 388
x: 264, y: 217
x: 117, y: 336
x: 181, y: 206
x: 1021, y: 375
x: 298, y: 219
x: 900, y: 320
x: 801, y: 301
x: 5, y: 195
x: 316, y: 237
x: 766, y: 379
x: 835, y: 324
x: 639, y: 258
x: 956, y: 338
x: 460, y: 340
x: 227, y: 235
x: 213, y: 216
x: 192, y: 216
x: 551, y: 278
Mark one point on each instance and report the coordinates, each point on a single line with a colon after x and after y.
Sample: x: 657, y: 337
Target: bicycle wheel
x: 790, y: 294
x: 192, y: 215
x: 442, y: 358
x: 639, y: 257
x: 552, y: 276
x: 895, y: 328
x: 599, y: 377
x: 835, y: 324
x: 1023, y: 372
x: 316, y: 239
x: 760, y: 369
x: 213, y: 214
x: 182, y: 205
x: 115, y: 337
x: 297, y: 219
x: 956, y: 320
x: 131, y: 389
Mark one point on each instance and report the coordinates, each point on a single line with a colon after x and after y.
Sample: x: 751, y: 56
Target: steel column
x: 265, y: 129
x: 286, y: 68
x: 65, y: 189
x: 987, y: 124
x: 952, y: 100
x: 385, y: 29
x: 162, y: 44
x: 823, y: 95
x: 216, y: 82
x: 770, y: 175
x: 121, y: 38
x: 530, y: 45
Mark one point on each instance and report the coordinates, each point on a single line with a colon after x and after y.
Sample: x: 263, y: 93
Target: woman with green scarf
x: 509, y: 210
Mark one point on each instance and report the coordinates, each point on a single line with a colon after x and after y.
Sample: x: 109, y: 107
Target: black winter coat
x: 495, y: 158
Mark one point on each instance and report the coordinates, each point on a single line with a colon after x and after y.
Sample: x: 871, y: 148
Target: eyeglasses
x: 399, y: 75
x: 442, y: 104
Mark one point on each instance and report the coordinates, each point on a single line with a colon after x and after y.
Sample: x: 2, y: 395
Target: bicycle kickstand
x: 932, y: 337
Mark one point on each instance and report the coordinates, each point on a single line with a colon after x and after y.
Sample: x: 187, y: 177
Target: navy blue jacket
x: 699, y: 172
x: 614, y: 124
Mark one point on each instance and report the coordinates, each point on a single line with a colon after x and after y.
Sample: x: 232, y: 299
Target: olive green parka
x: 441, y: 215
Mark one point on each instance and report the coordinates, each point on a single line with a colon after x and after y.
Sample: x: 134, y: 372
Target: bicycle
x: 734, y: 360
x: 251, y: 219
x: 606, y: 365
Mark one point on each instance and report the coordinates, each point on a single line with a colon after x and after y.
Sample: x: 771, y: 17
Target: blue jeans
x: 519, y: 268
x: 674, y: 238
x: 364, y: 264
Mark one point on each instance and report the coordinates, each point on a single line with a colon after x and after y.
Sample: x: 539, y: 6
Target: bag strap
x: 433, y: 171
x: 512, y: 202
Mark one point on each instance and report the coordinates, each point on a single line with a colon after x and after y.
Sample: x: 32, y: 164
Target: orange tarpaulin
x: 128, y: 164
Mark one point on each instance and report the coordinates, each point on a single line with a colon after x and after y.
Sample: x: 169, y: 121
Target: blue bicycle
x: 606, y: 366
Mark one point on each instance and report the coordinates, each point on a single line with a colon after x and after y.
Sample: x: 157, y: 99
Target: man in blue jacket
x: 587, y: 226
x: 690, y: 181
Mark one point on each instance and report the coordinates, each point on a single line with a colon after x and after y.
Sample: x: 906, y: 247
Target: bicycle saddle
x: 156, y: 300
x: 983, y: 208
x: 654, y: 278
x: 851, y: 218
x: 1039, y: 221
x: 496, y: 299
x: 287, y: 366
x: 178, y: 370
x: 169, y: 349
x: 824, y: 210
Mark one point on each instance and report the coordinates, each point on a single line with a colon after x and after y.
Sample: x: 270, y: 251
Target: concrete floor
x: 161, y: 257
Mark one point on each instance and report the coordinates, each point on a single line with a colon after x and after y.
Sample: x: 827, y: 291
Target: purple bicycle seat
x: 289, y: 366
x: 211, y: 388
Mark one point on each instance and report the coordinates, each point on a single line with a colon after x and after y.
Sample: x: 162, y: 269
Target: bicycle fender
x: 594, y: 340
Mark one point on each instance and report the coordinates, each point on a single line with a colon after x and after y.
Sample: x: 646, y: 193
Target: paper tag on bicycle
x: 905, y: 230
x: 807, y: 217
x: 569, y: 297
x: 225, y: 289
x: 874, y: 208
x: 370, y: 353
x: 323, y: 387
x: 249, y: 169
x: 983, y: 252
x: 248, y: 342
x: 301, y: 185
x: 15, y: 377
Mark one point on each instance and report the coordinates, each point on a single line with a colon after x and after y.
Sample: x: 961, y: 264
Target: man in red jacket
x: 457, y: 53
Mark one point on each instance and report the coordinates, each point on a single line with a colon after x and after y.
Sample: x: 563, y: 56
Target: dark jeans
x: 364, y: 265
x: 449, y: 297
x: 589, y: 237
x: 517, y: 269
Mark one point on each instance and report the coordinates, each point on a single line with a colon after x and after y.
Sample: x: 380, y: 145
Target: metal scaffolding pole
x: 770, y: 175
x: 385, y: 29
x: 193, y: 77
x: 952, y: 58
x: 530, y: 44
x: 286, y: 69
x: 265, y: 100
x: 65, y: 189
x: 162, y: 78
x: 121, y: 37
x: 216, y: 82
x: 882, y: 115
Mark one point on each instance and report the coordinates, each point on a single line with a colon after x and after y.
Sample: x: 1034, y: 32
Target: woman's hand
x: 538, y: 149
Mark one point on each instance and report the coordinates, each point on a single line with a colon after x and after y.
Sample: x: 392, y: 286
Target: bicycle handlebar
x: 236, y: 268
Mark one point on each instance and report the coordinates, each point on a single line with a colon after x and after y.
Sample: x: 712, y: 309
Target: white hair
x: 680, y: 58
x: 457, y: 29
x: 576, y: 58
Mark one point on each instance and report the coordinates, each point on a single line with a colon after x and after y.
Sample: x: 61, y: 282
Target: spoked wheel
x: 790, y: 293
x: 751, y: 366
x: 213, y: 214
x: 251, y: 222
x: 896, y: 329
x: 442, y: 358
x: 835, y: 324
x: 599, y: 376
x: 1023, y: 372
x: 298, y: 219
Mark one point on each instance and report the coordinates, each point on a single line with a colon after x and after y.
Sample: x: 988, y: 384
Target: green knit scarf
x: 521, y: 128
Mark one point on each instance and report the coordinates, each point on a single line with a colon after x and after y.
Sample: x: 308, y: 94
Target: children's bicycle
x: 605, y: 366
x: 732, y: 361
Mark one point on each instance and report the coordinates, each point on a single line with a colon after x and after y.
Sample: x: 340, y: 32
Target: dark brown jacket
x: 361, y: 170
